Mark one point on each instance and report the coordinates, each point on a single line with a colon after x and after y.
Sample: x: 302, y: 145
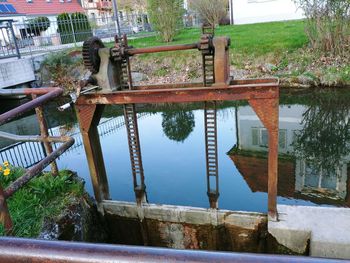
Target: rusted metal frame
x: 268, y: 111
x: 213, y: 93
x: 135, y: 153
x: 34, y: 170
x: 221, y: 60
x: 148, y: 50
x: 44, y: 131
x: 5, y: 217
x: 17, y: 250
x: 47, y: 94
x: 88, y: 118
x: 211, y: 150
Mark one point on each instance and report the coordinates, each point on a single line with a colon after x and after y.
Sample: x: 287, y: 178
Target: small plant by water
x: 43, y: 197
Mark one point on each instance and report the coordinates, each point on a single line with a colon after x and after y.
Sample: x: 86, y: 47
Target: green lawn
x: 252, y: 40
x: 43, y: 197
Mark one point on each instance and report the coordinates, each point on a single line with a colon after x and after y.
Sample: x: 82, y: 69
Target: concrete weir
x: 185, y: 227
x: 325, y: 230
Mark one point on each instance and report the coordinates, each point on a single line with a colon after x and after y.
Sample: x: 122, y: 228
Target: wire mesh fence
x: 42, y: 34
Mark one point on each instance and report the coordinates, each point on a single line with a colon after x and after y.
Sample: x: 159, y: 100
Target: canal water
x: 313, y: 151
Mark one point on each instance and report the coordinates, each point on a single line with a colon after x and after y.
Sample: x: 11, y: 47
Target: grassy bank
x: 277, y: 49
x: 43, y: 197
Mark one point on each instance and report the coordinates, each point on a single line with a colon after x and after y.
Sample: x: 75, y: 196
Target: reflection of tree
x: 178, y: 125
x: 325, y: 137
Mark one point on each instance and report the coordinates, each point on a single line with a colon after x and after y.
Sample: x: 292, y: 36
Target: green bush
x: 77, y: 22
x: 165, y: 17
x: 38, y: 24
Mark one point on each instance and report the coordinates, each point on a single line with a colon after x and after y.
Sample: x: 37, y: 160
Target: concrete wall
x: 185, y: 227
x: 14, y: 72
x: 257, y: 11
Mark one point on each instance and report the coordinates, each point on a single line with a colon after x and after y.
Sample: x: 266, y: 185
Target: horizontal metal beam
x: 178, y: 95
x: 40, y: 251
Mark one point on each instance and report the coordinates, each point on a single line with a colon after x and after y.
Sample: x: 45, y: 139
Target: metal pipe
x: 135, y: 51
x: 40, y: 251
x: 49, y: 93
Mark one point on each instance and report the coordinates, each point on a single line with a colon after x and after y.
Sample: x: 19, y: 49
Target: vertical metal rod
x: 14, y: 38
x: 5, y: 217
x: 73, y: 32
x: 272, y: 174
x: 45, y: 133
x: 116, y: 21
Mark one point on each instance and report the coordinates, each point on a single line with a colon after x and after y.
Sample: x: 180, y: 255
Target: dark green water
x: 313, y: 148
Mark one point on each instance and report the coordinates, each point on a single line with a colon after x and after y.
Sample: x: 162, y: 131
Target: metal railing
x: 46, y: 94
x: 8, y: 42
x: 41, y: 34
x: 40, y: 251
x: 36, y: 35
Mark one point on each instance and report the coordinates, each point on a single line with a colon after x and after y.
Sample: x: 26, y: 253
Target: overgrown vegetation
x: 64, y: 69
x: 211, y: 12
x: 43, y: 197
x: 166, y: 17
x: 328, y: 24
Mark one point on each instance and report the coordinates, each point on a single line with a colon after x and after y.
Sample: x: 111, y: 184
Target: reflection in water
x: 313, y: 150
x: 323, y: 142
x: 313, y: 136
x: 178, y: 125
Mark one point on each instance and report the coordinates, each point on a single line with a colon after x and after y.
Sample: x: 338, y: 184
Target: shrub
x: 38, y: 24
x: 327, y: 24
x: 211, y: 12
x: 77, y: 22
x: 165, y: 17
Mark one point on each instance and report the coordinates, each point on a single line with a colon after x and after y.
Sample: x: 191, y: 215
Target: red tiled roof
x: 42, y: 7
x: 255, y: 173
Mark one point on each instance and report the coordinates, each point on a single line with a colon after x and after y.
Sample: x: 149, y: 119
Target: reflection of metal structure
x: 114, y: 79
x: 46, y: 95
x: 211, y: 146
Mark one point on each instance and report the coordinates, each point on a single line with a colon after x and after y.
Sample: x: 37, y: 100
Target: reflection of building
x: 297, y: 179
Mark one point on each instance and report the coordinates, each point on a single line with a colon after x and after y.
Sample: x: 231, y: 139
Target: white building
x: 258, y: 11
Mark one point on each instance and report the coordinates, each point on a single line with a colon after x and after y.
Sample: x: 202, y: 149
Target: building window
x: 29, y: 1
x: 260, y: 137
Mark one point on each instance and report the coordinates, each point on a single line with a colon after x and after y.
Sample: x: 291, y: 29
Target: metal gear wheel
x: 91, y: 58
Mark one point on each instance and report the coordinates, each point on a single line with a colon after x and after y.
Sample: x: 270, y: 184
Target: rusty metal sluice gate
x: 111, y: 72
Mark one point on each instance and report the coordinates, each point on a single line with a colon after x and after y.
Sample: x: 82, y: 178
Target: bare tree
x: 210, y: 11
x: 327, y: 24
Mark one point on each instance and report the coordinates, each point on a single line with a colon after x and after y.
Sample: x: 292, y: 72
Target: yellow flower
x: 0, y: 168
x: 6, y: 163
x: 7, y: 171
